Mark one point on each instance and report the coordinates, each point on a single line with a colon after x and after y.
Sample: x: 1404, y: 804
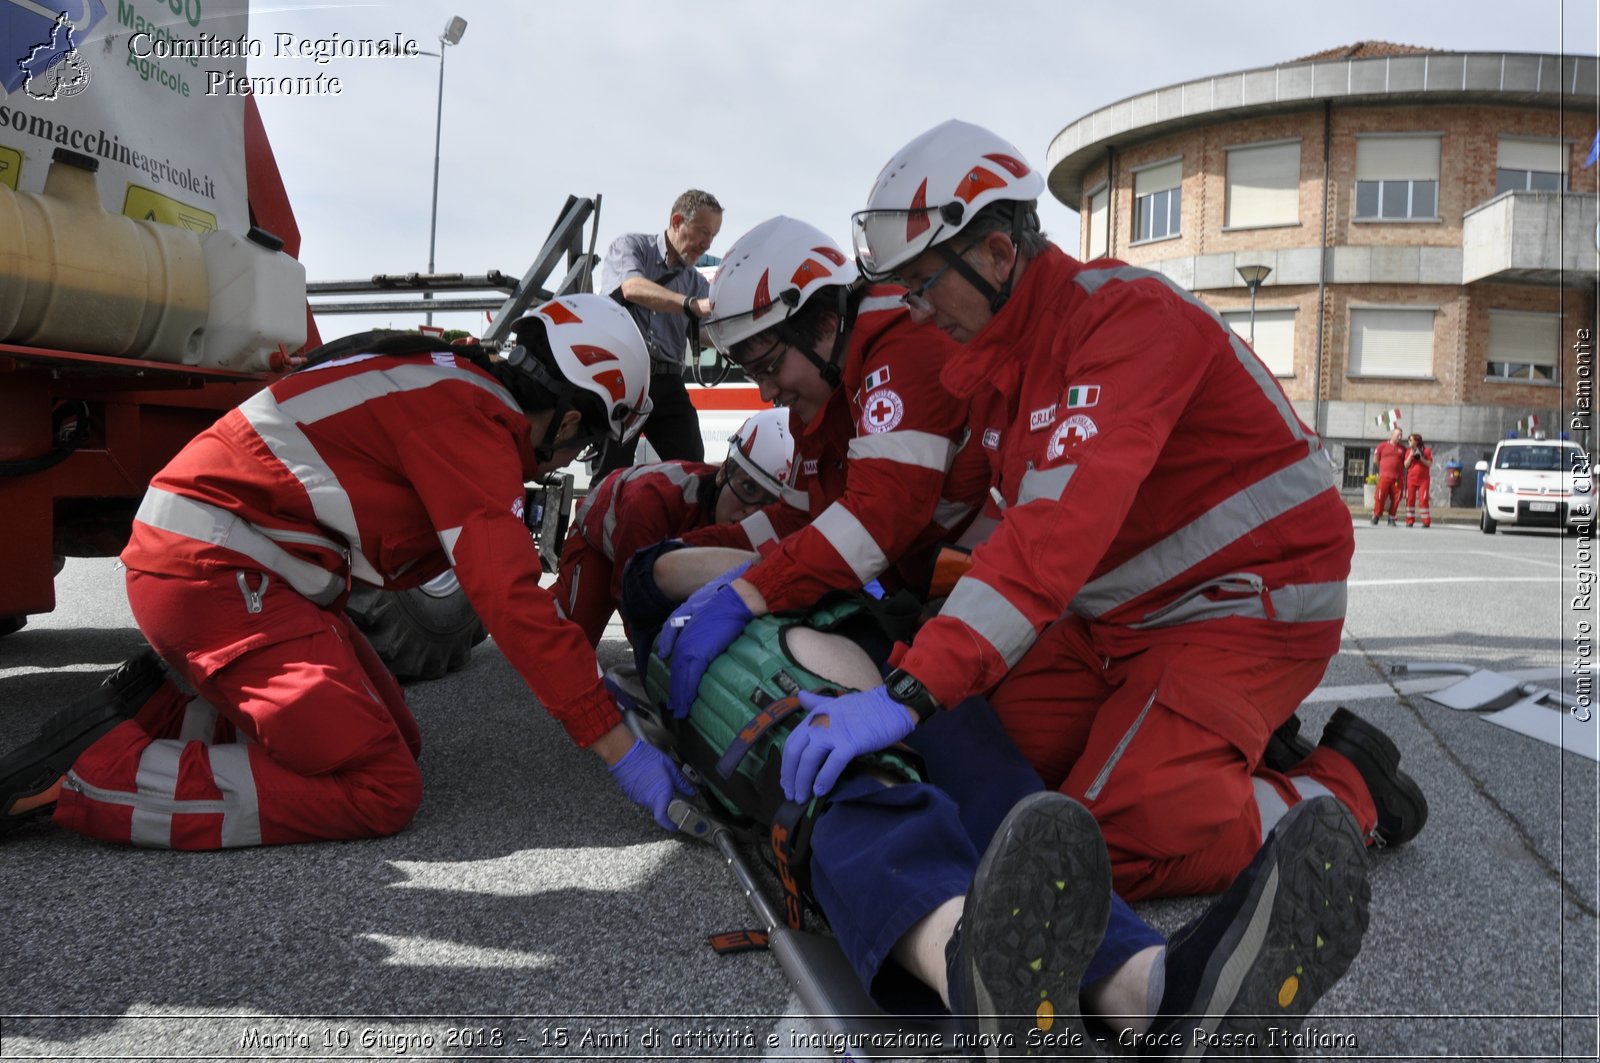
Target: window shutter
x: 1391, y: 342
x: 1274, y: 337
x: 1518, y: 337
x: 1544, y: 156
x: 1264, y: 185
x: 1397, y: 159
x: 1098, y: 215
x: 1158, y: 178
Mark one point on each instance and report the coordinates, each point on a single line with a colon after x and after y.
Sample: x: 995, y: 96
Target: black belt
x: 666, y: 369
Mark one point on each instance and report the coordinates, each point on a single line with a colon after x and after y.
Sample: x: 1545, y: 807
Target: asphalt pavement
x: 530, y: 911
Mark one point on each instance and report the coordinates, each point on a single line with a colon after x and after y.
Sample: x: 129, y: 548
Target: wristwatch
x: 906, y: 689
x: 688, y: 306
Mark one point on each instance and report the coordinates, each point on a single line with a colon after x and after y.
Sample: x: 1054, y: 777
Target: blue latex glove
x: 705, y: 628
x: 697, y: 601
x: 650, y: 780
x: 835, y: 732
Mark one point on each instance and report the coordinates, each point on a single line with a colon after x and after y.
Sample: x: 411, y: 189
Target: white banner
x: 126, y: 81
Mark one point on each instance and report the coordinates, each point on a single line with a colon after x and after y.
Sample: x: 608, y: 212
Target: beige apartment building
x: 1427, y: 219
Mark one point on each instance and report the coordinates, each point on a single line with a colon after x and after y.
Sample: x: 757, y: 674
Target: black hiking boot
x: 34, y: 771
x: 1402, y: 809
x: 1034, y: 917
x: 1241, y: 978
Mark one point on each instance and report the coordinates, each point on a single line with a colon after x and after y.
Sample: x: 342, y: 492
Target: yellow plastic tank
x: 75, y: 277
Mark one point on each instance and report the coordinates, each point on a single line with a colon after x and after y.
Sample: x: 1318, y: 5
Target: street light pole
x: 451, y: 35
x: 1253, y: 276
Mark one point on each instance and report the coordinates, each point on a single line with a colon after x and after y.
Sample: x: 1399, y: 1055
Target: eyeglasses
x: 760, y: 372
x: 917, y: 298
x: 744, y: 486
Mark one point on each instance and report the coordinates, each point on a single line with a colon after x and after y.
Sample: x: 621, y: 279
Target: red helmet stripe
x: 560, y: 313
x: 590, y: 355
x: 763, y: 298
x: 1016, y: 166
x: 917, y: 219
x: 832, y: 254
x: 612, y: 380
x: 978, y: 180
x: 808, y: 271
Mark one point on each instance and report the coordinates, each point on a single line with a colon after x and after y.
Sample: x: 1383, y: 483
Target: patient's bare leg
x: 682, y: 572
x: 833, y: 657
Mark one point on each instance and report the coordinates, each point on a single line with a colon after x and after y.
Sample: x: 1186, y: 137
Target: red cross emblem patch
x: 883, y: 411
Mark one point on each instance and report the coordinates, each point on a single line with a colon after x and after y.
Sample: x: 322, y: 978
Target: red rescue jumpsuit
x: 1419, y: 479
x: 886, y: 467
x: 630, y: 509
x: 1167, y: 582
x: 387, y: 469
x: 1390, y: 460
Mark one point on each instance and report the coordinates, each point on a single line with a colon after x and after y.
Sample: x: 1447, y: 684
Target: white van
x: 1540, y: 483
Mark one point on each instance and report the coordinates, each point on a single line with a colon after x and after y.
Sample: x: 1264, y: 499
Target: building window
x: 1523, y: 347
x: 1391, y: 342
x: 1158, y: 195
x: 1397, y: 178
x: 1274, y: 343
x: 1530, y: 166
x: 1099, y: 212
x: 1264, y: 185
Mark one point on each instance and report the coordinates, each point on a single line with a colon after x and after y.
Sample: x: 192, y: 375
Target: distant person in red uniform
x: 639, y: 506
x: 1419, y: 478
x: 390, y: 464
x: 1390, y: 458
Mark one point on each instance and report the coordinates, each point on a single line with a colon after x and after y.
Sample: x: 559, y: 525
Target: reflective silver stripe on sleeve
x: 1091, y: 280
x: 874, y: 304
x: 1224, y: 523
x: 208, y: 524
x: 1297, y: 603
x: 686, y: 481
x: 925, y: 450
x: 758, y: 528
x: 330, y: 502
x: 278, y: 426
x: 987, y: 612
x: 448, y: 539
x: 1044, y: 483
x: 948, y: 514
x: 241, y: 821
x: 846, y: 534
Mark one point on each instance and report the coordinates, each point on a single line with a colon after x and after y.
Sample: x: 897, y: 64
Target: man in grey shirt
x: 654, y: 277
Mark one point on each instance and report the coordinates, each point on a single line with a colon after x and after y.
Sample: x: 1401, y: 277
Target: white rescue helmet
x: 767, y: 275
x: 932, y: 188
x: 598, y: 348
x: 764, y: 448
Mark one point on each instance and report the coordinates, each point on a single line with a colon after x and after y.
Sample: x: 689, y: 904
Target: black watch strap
x: 907, y: 690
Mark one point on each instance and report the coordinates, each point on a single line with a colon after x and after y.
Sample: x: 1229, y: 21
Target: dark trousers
x: 673, y: 428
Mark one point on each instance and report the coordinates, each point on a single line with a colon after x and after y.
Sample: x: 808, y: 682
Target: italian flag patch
x: 1083, y: 395
x: 877, y: 378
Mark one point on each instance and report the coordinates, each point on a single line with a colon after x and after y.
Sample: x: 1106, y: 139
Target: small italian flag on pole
x: 1389, y: 419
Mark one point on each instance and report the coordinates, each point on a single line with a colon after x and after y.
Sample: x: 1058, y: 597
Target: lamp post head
x: 1254, y: 275
x: 453, y: 30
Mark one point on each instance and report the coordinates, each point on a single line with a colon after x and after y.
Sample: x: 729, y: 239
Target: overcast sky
x: 773, y: 107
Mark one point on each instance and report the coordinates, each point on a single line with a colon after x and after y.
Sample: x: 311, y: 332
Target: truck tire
x: 10, y: 625
x: 422, y: 633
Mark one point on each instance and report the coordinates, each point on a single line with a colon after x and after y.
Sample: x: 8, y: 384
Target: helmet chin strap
x: 997, y: 297
x: 832, y: 370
